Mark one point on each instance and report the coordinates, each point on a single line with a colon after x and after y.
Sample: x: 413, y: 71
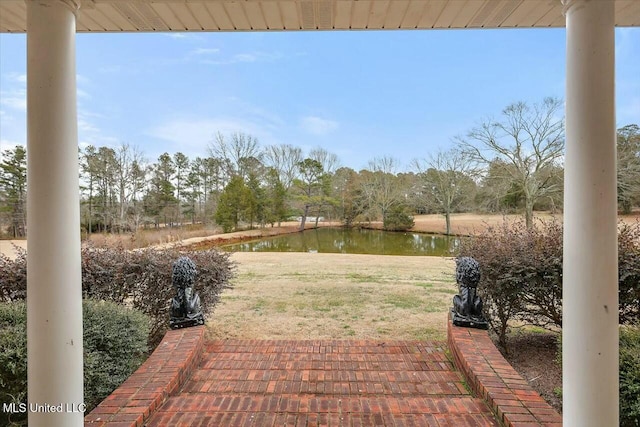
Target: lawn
x: 314, y: 296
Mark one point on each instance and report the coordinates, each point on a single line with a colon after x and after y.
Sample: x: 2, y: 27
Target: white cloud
x: 91, y: 134
x: 82, y: 94
x: 111, y: 69
x: 81, y: 79
x: 183, y: 36
x: 15, y: 96
x: 15, y: 99
x: 192, y: 135
x: 204, y: 51
x: 317, y: 125
x: 175, y: 35
x: 248, y: 57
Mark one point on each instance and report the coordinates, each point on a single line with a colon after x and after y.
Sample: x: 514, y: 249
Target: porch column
x: 54, y: 295
x: 590, y: 275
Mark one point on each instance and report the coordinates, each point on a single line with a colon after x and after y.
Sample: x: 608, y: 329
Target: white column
x: 590, y: 282
x: 54, y: 294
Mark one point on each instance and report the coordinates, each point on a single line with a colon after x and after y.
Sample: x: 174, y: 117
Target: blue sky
x: 358, y: 94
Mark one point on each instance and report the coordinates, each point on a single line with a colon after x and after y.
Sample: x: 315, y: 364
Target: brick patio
x: 190, y: 382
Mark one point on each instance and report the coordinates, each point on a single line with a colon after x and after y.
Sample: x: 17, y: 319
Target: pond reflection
x: 353, y: 241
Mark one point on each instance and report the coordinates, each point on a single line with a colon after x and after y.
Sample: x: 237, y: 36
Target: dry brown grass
x: 472, y: 223
x: 466, y: 224
x: 314, y: 296
x: 151, y: 237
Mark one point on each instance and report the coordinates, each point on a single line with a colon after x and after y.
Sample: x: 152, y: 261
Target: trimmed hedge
x: 115, y: 345
x: 139, y: 278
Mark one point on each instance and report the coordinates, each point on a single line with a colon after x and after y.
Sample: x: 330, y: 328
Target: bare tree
x: 235, y: 151
x: 284, y: 158
x: 381, y: 187
x: 628, y: 167
x: 445, y: 182
x: 531, y: 139
x: 127, y: 161
x: 329, y: 161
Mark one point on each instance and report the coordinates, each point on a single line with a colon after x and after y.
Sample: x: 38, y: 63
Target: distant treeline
x: 508, y: 165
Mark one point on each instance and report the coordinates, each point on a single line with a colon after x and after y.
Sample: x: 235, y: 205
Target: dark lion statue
x: 467, y: 305
x: 185, y: 306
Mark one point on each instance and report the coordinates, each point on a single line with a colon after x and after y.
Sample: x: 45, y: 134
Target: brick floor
x: 323, y: 383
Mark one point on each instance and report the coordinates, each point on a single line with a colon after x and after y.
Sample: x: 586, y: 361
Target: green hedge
x: 630, y: 376
x: 115, y: 345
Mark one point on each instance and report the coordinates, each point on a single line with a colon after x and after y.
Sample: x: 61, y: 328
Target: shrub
x: 115, y: 345
x: 630, y: 376
x: 13, y: 276
x: 140, y: 278
x: 398, y: 219
x: 13, y: 359
x: 629, y: 272
x: 521, y: 274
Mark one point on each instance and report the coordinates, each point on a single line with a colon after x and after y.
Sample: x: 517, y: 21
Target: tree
x: 193, y: 191
x: 86, y: 171
x: 309, y: 185
x: 160, y: 199
x: 530, y: 140
x: 348, y: 191
x: 100, y: 172
x: 276, y: 198
x: 255, y: 201
x: 232, y: 204
x: 284, y: 159
x: 210, y: 172
x: 129, y: 179
x: 181, y: 164
x: 329, y: 161
x: 138, y: 182
x: 381, y: 187
x: 13, y: 189
x: 234, y: 151
x: 445, y: 182
x: 628, y: 167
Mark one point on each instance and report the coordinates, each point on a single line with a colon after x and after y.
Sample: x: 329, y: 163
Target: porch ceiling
x: 260, y: 15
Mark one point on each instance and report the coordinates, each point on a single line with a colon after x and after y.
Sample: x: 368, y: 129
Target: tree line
x: 512, y: 163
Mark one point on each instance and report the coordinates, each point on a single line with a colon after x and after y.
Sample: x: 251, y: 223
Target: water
x: 353, y: 241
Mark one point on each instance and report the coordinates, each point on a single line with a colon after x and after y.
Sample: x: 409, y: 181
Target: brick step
x: 309, y: 410
x: 365, y: 365
x: 280, y: 355
x: 383, y: 388
x: 324, y: 347
x: 297, y: 375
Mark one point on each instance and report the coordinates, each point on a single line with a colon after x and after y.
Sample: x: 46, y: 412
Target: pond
x: 353, y: 241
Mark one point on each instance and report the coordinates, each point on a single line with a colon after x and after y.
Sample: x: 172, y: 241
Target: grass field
x: 313, y: 296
